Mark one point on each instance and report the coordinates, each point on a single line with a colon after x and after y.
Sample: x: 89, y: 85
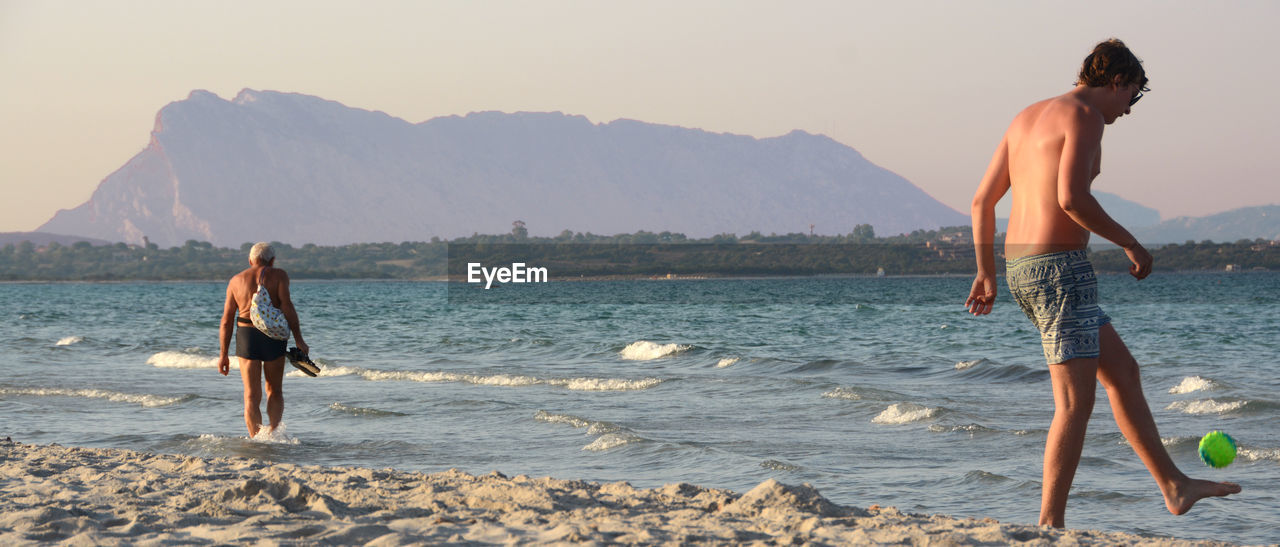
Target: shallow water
x: 876, y: 391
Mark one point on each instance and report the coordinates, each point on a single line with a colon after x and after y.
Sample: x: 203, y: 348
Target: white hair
x: 261, y: 253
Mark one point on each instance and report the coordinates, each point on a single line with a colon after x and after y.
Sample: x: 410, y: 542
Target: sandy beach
x: 85, y: 496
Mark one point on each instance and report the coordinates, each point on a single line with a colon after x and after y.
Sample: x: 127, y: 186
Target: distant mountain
x: 1129, y: 214
x: 1245, y: 223
x: 42, y: 239
x: 301, y: 169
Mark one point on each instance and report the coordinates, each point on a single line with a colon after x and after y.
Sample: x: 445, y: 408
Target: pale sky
x: 924, y: 89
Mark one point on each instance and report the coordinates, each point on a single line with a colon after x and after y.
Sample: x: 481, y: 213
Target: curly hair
x: 1108, y: 60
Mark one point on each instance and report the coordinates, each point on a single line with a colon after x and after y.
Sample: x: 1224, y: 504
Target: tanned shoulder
x: 1080, y: 113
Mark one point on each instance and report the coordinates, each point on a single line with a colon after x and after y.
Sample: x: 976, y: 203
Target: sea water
x: 874, y: 390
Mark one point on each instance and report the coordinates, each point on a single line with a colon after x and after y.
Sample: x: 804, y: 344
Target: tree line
x: 574, y: 254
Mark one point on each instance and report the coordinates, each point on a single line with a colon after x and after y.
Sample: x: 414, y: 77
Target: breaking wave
x: 862, y: 393
x: 611, y: 440
x: 842, y: 392
x: 503, y: 380
x: 904, y: 413
x: 1192, y: 384
x: 1207, y: 406
x: 275, y: 436
x: 182, y: 359
x: 604, y: 384
x: 610, y: 435
x: 593, y: 427
x: 645, y: 350
x: 145, y: 399
x: 1250, y: 454
x: 68, y: 340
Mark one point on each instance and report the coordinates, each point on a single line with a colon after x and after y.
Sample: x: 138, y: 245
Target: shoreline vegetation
x: 102, y: 496
x: 586, y: 256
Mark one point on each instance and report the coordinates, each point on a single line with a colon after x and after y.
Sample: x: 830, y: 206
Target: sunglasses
x: 1135, y: 98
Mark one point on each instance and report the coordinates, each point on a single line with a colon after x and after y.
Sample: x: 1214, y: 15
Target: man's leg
x: 1074, y: 383
x: 274, y: 372
x: 1118, y: 372
x: 251, y: 375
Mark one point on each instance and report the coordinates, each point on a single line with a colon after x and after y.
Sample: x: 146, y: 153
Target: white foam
x: 645, y: 350
x: 962, y: 365
x: 67, y: 341
x: 144, y: 399
x: 593, y: 427
x: 443, y: 377
x: 1192, y: 384
x: 600, y: 428
x: 1206, y: 406
x: 390, y: 375
x: 334, y: 370
x: 726, y: 362
x: 425, y: 377
x: 842, y: 393
x: 274, y: 436
x: 611, y: 440
x: 179, y: 359
x: 501, y: 380
x: 1256, y: 454
x: 604, y: 384
x: 544, y: 416
x: 904, y: 413
x: 438, y: 377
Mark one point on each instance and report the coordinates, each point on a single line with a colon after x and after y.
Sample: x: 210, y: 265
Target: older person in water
x: 258, y: 353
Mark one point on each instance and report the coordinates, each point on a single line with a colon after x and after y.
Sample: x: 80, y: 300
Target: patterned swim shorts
x: 1059, y: 293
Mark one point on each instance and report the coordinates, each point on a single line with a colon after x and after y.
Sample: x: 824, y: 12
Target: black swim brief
x: 252, y: 344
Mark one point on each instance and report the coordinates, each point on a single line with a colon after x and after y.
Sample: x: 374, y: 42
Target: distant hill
x: 1227, y: 227
x: 1144, y: 222
x: 301, y: 169
x: 1130, y: 214
x: 42, y: 239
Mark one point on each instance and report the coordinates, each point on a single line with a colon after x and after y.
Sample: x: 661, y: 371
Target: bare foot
x: 1185, y: 494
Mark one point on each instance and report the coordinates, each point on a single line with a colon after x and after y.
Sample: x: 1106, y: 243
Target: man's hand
x: 1141, y: 260
x: 983, y: 295
x: 224, y: 365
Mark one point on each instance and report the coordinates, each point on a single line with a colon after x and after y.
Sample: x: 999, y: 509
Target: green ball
x: 1217, y: 449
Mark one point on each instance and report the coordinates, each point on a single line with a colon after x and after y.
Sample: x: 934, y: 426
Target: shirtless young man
x: 1049, y: 157
x: 257, y: 352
